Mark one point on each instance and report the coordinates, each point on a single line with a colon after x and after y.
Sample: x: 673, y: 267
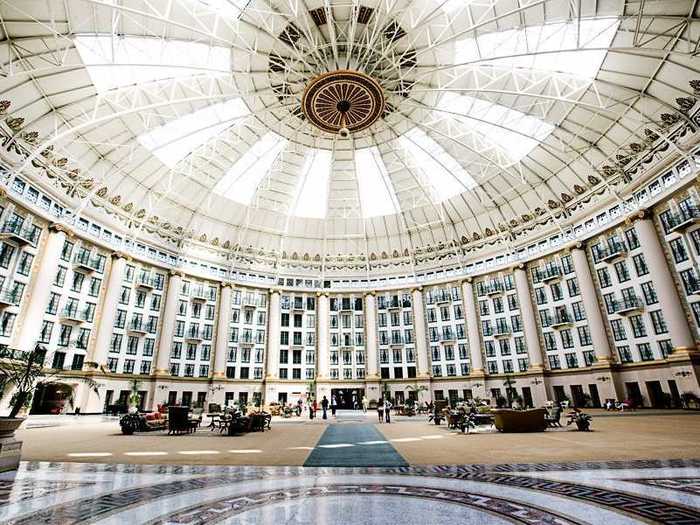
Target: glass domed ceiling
x: 190, y: 119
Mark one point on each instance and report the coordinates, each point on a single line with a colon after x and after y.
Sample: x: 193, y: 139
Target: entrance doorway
x: 595, y: 397
x: 634, y: 394
x: 347, y: 397
x: 51, y: 398
x: 656, y: 394
x: 577, y: 396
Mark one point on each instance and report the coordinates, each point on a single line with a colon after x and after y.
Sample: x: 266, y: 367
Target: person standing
x: 387, y: 410
x: 334, y: 404
x: 380, y: 410
x: 324, y: 407
x: 355, y: 405
x: 365, y: 404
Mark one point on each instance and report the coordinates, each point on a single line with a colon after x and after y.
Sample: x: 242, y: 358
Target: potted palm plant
x: 20, y: 373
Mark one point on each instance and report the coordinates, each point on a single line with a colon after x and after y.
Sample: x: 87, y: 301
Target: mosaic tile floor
x: 563, y: 493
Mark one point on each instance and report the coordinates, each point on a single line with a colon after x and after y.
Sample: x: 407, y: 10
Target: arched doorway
x: 51, y: 398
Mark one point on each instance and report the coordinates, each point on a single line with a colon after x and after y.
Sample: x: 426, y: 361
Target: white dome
x: 503, y: 119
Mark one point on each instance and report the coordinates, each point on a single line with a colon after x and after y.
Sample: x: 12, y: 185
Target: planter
x: 10, y: 448
x: 8, y: 426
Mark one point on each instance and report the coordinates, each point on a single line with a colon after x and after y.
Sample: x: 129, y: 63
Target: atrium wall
x: 616, y: 315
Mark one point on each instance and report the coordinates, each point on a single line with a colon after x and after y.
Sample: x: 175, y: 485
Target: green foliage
x: 22, y: 371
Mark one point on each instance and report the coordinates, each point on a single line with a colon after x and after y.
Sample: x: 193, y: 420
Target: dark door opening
x: 634, y: 394
x: 527, y: 397
x: 348, y: 398
x: 675, y: 395
x: 577, y: 396
x: 656, y: 394
x: 595, y: 396
x: 51, y: 398
x: 559, y: 394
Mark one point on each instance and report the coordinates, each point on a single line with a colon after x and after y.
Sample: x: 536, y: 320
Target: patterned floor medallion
x: 558, y: 493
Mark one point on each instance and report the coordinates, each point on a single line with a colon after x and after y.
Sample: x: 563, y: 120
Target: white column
x: 322, y: 337
x: 38, y: 298
x: 673, y: 312
x: 222, y: 327
x: 532, y: 339
x: 422, y: 362
x: 472, y: 315
x: 168, y: 326
x: 594, y: 317
x: 273, y: 335
x: 371, y: 366
x: 109, y: 309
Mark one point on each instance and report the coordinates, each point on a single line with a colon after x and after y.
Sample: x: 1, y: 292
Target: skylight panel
x: 373, y: 178
x: 242, y: 179
x: 232, y: 8
x: 175, y: 140
x: 313, y: 196
x: 542, y: 46
x: 516, y: 133
x: 446, y: 175
x: 117, y: 61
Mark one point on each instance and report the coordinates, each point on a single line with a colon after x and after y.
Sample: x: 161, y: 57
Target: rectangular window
x: 658, y: 322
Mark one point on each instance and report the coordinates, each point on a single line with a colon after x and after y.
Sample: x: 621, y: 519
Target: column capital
x: 372, y: 293
x: 120, y: 255
x: 640, y: 214
x: 176, y: 273
x: 58, y: 227
x: 226, y: 285
x: 468, y: 280
x: 418, y: 288
x: 322, y: 294
x: 518, y: 266
x: 3, y: 193
x: 576, y: 245
x: 274, y: 291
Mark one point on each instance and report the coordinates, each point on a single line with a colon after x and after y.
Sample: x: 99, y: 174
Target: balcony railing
x: 17, y: 231
x: 561, y: 319
x: 502, y: 330
x: 684, y: 218
x: 396, y: 341
x: 446, y: 337
x: 73, y: 315
x: 627, y: 305
x: 442, y: 297
x: 612, y: 251
x: 137, y: 327
x: 193, y: 335
x: 493, y: 288
x: 85, y: 261
x: 9, y: 296
x: 200, y: 293
x: 548, y: 273
x: 146, y: 281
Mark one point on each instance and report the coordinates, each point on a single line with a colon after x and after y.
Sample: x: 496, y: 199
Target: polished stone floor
x: 649, y: 491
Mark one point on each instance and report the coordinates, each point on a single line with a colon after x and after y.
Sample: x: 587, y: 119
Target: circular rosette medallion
x: 343, y: 99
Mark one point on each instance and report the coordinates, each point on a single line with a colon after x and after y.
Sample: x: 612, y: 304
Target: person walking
x: 324, y: 406
x: 334, y: 404
x: 387, y: 410
x: 380, y: 410
x: 365, y: 404
x: 355, y: 405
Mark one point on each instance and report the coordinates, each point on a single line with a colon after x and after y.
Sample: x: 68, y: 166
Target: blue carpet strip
x: 376, y: 455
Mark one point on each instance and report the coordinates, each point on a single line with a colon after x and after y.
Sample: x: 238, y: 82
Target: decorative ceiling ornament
x: 4, y: 106
x: 15, y: 123
x: 343, y: 102
x: 685, y: 103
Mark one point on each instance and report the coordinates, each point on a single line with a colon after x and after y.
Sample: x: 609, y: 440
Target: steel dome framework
x: 481, y: 139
